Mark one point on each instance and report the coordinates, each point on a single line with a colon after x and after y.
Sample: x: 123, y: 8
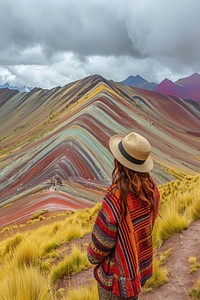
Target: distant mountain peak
x: 167, y: 81
x: 135, y: 79
x: 166, y: 87
x: 193, y: 79
x: 195, y: 75
x: 17, y: 88
x: 138, y: 77
x: 186, y: 88
x: 138, y: 81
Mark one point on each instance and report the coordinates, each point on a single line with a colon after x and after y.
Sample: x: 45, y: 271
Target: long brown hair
x: 139, y: 184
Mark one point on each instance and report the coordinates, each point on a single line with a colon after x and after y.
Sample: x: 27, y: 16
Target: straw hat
x: 132, y: 151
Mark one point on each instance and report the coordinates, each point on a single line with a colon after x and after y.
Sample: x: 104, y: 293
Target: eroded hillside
x: 54, y: 143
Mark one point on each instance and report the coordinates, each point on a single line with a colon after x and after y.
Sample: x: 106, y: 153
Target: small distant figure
x: 56, y: 181
x: 121, y: 241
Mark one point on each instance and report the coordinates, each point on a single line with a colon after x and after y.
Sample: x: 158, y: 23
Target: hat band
x: 128, y: 157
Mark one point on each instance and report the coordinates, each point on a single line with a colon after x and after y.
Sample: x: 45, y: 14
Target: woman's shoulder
x: 112, y: 200
x: 112, y: 189
x: 113, y: 193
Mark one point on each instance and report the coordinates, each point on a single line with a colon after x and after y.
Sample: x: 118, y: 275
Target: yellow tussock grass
x: 160, y: 276
x: 26, y: 283
x: 194, y: 209
x: 37, y: 249
x: 194, y: 265
x: 73, y: 263
x: 83, y: 293
x: 170, y: 223
x: 194, y: 293
x: 26, y: 254
x: 12, y: 243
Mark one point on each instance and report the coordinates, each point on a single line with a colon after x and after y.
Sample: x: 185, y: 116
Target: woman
x: 121, y: 242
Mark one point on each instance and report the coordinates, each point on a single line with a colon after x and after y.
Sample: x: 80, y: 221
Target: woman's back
x: 121, y: 242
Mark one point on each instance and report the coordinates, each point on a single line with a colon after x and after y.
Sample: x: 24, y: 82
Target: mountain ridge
x: 187, y: 88
x: 139, y: 82
x: 65, y: 132
x: 21, y: 89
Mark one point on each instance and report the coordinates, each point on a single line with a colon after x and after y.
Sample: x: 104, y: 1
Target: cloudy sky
x: 47, y: 43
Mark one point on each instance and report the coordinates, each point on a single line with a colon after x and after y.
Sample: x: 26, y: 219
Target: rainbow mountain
x: 54, y: 143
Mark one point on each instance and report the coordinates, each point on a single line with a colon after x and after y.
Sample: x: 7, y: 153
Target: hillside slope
x: 46, y: 243
x: 58, y: 139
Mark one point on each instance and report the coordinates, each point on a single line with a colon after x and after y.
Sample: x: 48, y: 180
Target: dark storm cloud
x: 69, y: 38
x: 165, y: 29
x: 85, y: 27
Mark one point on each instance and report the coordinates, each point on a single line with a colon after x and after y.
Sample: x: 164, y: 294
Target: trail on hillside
x: 183, y: 246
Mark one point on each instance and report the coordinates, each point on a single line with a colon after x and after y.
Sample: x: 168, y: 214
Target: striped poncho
x: 122, y: 250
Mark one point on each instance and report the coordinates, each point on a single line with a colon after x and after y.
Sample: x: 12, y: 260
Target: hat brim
x: 114, y: 141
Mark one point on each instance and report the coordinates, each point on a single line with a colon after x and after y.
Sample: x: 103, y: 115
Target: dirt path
x: 81, y: 279
x: 182, y: 245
